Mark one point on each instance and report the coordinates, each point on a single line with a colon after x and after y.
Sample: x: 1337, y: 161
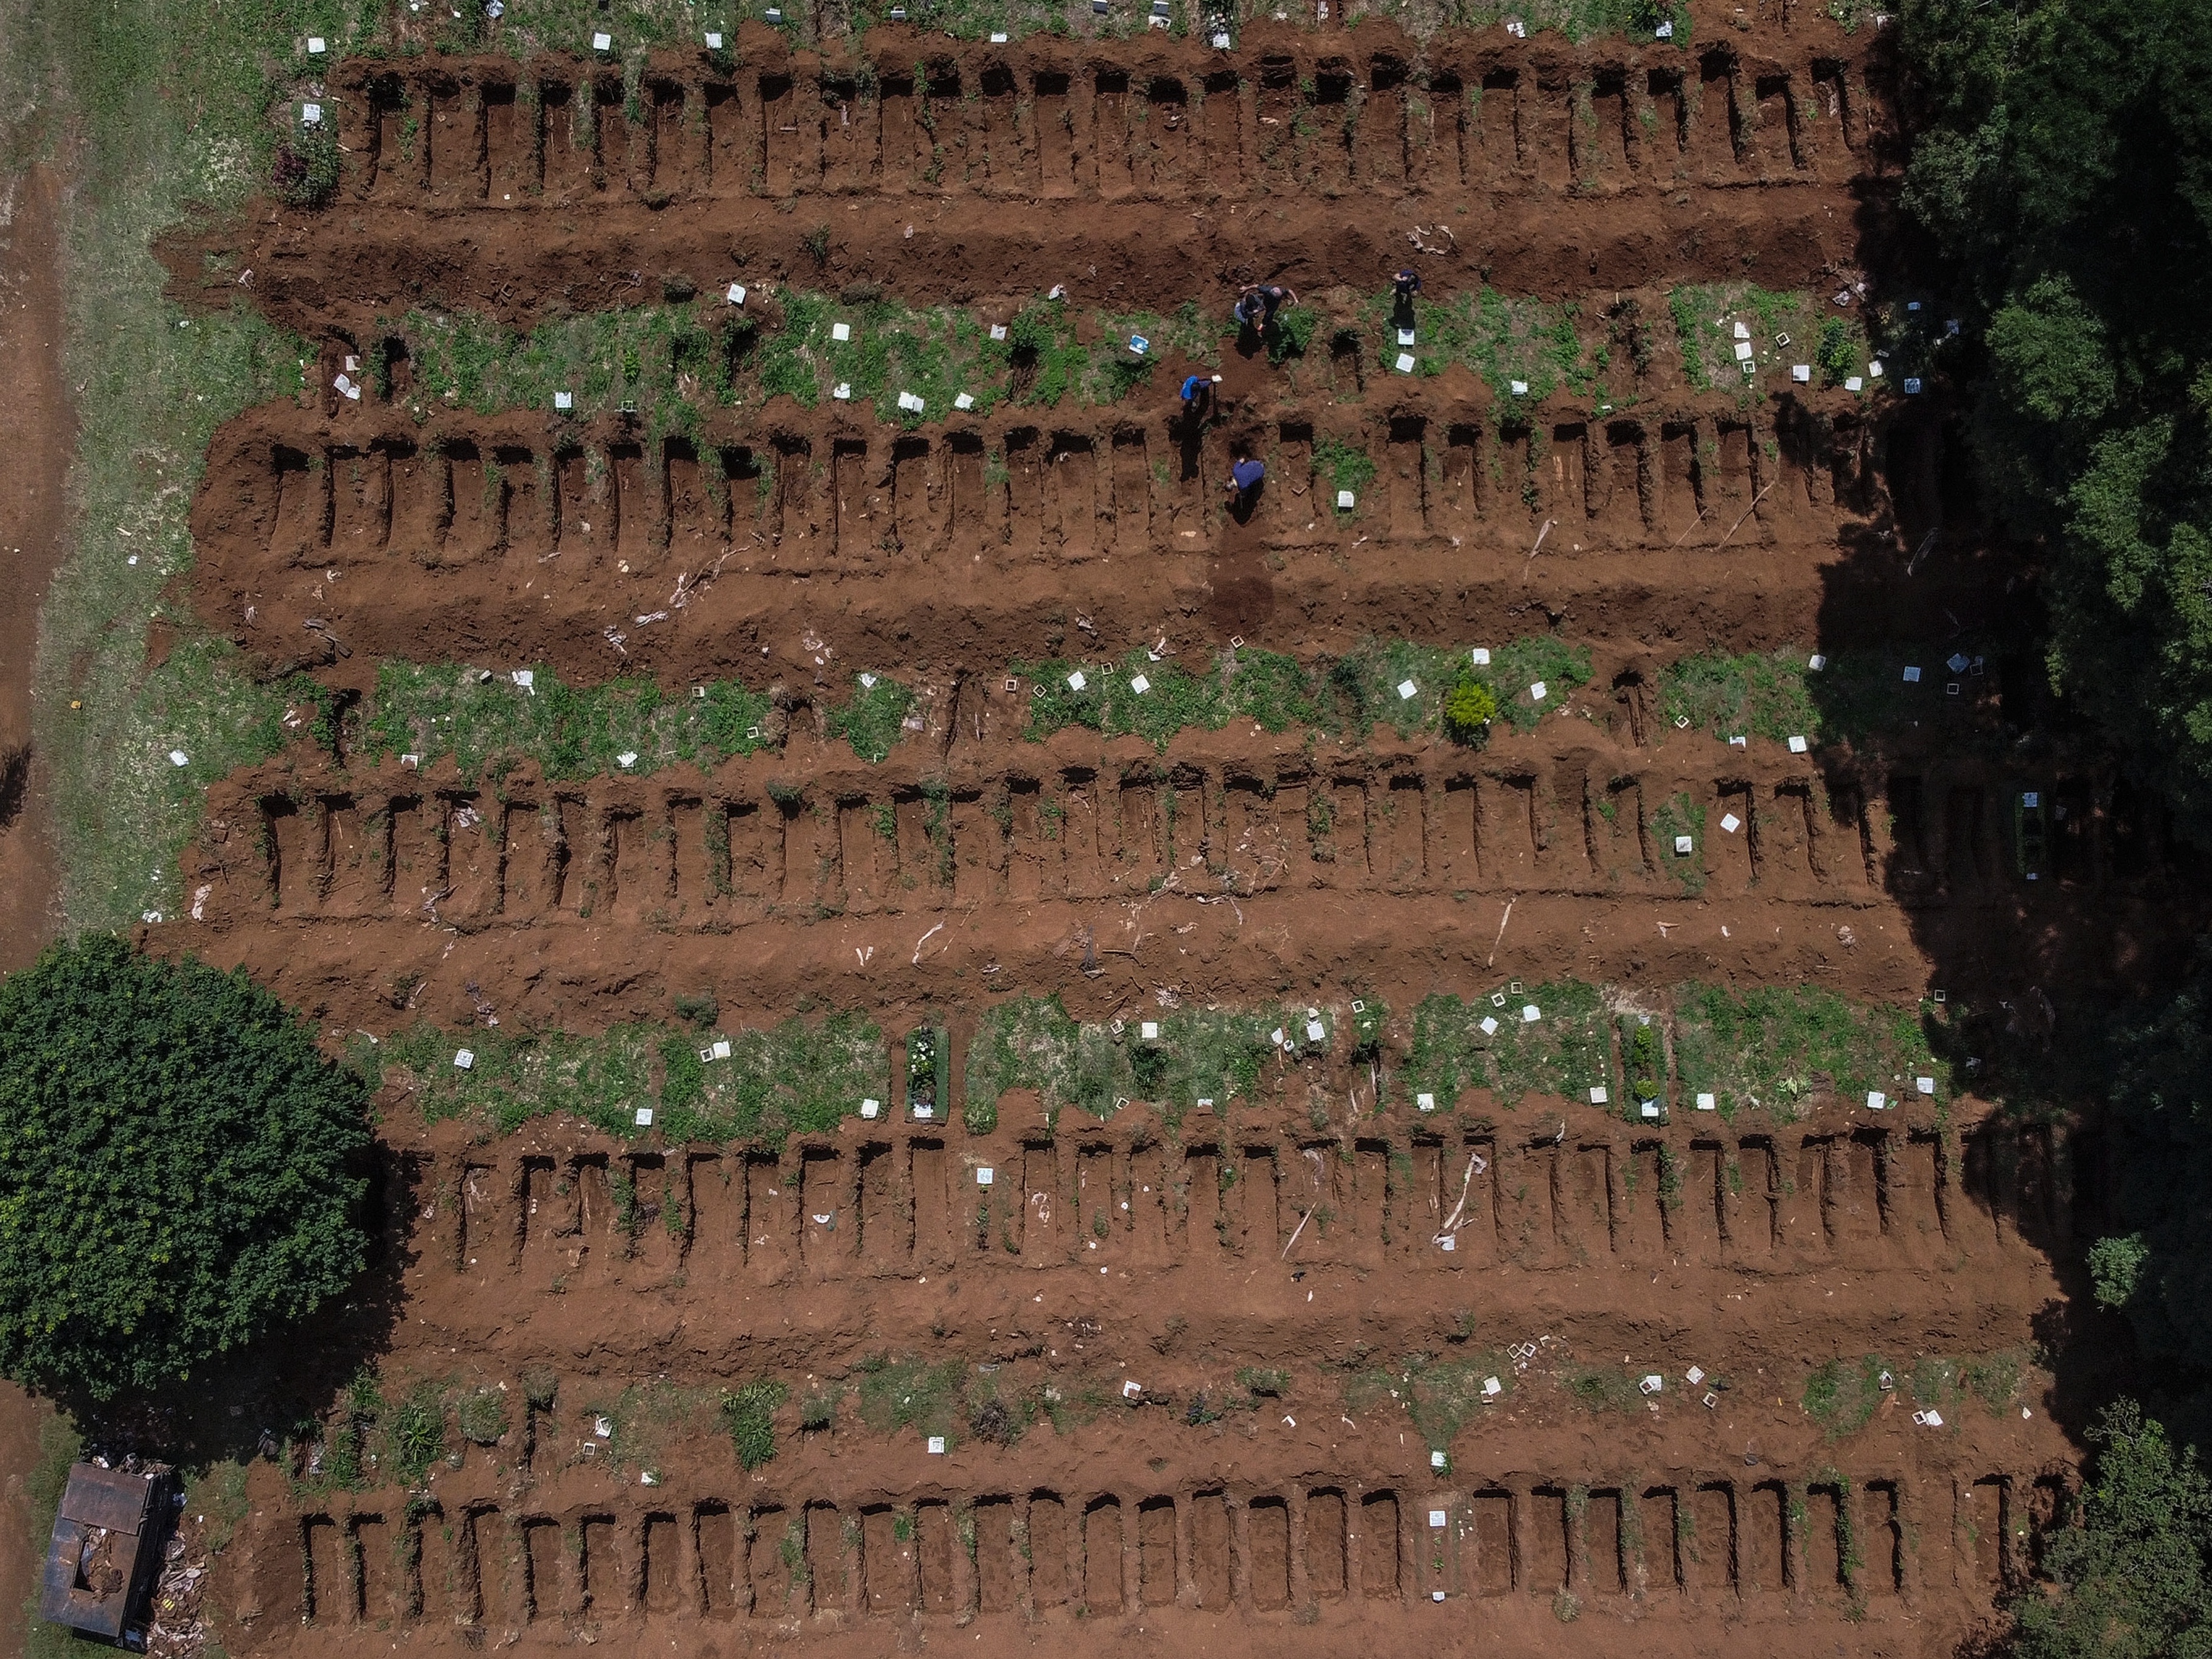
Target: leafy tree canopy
x: 2067, y: 173
x: 2136, y: 1573
x: 175, y: 1169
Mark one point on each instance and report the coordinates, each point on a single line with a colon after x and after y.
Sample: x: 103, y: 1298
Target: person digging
x: 1245, y: 477
x: 1257, y: 306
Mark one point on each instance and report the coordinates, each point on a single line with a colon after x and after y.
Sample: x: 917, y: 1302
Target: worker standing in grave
x: 1257, y: 306
x: 1245, y: 476
x: 1198, y: 396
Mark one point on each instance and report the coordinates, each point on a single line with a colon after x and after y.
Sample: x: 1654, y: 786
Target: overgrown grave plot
x: 484, y: 718
x: 1523, y: 349
x: 1843, y: 1394
x: 1396, y: 684
x: 1715, y: 323
x: 1851, y: 697
x: 667, y: 362
x: 1772, y: 1050
x: 801, y: 1077
x: 1552, y: 1040
x: 1179, y: 1059
x: 634, y: 28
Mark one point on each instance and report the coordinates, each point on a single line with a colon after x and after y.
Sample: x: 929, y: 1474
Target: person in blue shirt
x: 1197, y: 395
x: 1257, y: 306
x: 1245, y: 477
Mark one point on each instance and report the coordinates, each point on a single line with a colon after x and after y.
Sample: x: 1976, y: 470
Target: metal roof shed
x: 105, y: 1552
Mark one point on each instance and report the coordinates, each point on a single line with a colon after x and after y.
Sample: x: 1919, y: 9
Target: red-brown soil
x: 1693, y: 521
x: 580, y: 904
x: 1849, y: 1234
x: 376, y: 895
x: 1768, y: 154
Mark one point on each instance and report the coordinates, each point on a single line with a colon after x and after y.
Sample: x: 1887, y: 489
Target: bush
x: 1647, y: 1063
x: 176, y: 1160
x: 1294, y: 330
x: 2116, y: 1268
x: 1834, y: 353
x: 1469, y: 708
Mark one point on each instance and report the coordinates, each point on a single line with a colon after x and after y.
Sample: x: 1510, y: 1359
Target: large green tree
x: 177, y: 1169
x: 2065, y: 169
x: 2135, y: 1571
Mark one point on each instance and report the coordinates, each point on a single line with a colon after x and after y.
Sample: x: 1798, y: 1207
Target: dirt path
x: 33, y: 521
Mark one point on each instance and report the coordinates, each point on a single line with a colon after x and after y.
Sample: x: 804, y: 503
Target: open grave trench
x: 1164, y: 1244
x: 520, y: 535
x: 1555, y: 166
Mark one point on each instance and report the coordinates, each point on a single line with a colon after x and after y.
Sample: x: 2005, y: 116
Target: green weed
x: 1772, y: 1048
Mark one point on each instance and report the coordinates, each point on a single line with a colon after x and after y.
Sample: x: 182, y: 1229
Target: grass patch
x: 647, y: 1418
x: 1993, y: 1380
x: 1502, y: 339
x: 911, y: 1393
x: 1441, y: 1396
x: 1842, y: 1394
x: 1784, y: 328
x: 481, y: 1415
x: 1751, y: 695
x: 415, y: 1433
x: 59, y: 1446
x: 749, y: 1417
x: 1772, y: 1049
x: 1565, y: 1053
x: 797, y: 1077
x: 875, y: 717
x: 487, y: 723
x: 1856, y: 694
x: 1602, y: 1388
x: 1199, y: 1055
x: 1348, y: 695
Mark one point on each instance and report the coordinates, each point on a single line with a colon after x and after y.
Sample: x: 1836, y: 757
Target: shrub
x: 1294, y: 330
x: 1834, y: 353
x: 482, y: 1414
x: 1647, y: 1063
x: 2116, y: 1268
x: 1469, y: 708
x: 176, y: 1161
